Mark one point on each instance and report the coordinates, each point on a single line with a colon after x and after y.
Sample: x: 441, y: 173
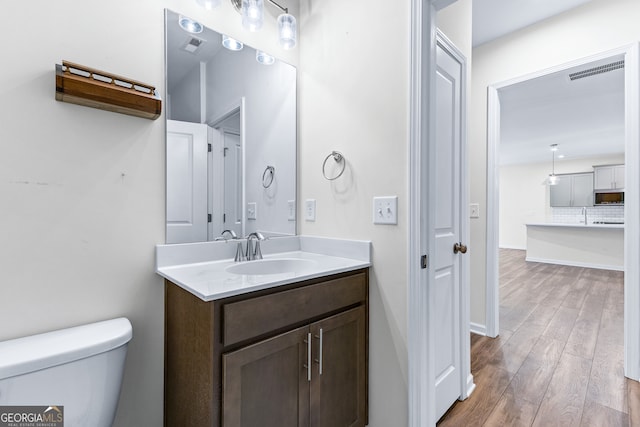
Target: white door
x: 446, y: 288
x: 186, y: 182
x: 233, y: 204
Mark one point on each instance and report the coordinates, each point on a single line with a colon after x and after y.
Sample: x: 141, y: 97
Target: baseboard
x: 478, y: 329
x: 520, y: 248
x: 470, y: 385
x: 575, y: 264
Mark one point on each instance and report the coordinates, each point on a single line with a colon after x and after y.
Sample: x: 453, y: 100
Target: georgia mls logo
x: 31, y: 416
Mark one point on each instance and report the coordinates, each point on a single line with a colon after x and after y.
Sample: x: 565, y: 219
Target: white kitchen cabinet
x: 572, y: 190
x: 609, y: 177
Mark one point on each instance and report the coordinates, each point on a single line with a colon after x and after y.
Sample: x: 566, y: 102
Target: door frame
x: 632, y: 196
x: 420, y: 331
x: 216, y: 165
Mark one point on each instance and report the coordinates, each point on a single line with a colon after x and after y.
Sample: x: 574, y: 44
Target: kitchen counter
x: 201, y: 268
x: 593, y: 245
x: 578, y: 225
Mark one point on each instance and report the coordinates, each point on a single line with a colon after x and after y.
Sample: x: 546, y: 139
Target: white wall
x: 595, y: 27
x: 354, y: 98
x: 525, y: 199
x: 83, y: 195
x: 185, y: 99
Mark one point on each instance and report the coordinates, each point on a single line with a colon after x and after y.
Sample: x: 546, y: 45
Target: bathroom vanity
x: 280, y: 350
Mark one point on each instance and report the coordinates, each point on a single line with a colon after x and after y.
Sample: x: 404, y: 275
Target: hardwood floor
x: 559, y: 358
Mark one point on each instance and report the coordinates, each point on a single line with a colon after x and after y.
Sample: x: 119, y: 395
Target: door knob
x: 459, y: 247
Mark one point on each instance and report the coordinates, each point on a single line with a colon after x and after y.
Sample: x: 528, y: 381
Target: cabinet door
x: 266, y: 384
x: 338, y: 386
x: 603, y: 178
x: 618, y: 177
x: 560, y: 194
x: 582, y: 190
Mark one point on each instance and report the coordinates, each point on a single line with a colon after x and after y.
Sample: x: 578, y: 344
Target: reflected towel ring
x: 338, y: 157
x: 267, y: 176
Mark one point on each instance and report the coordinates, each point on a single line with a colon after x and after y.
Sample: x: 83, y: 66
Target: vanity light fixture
x: 264, y: 58
x: 287, y: 30
x: 189, y: 25
x: 252, y: 14
x: 231, y: 43
x: 209, y: 4
x: 553, y: 178
x: 252, y: 9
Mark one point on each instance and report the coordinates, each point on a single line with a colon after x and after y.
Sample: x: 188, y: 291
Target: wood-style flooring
x: 559, y: 358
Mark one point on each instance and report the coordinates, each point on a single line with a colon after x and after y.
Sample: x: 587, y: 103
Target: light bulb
x: 189, y: 25
x: 252, y: 14
x: 209, y: 4
x: 230, y: 43
x: 287, y: 31
x: 264, y: 58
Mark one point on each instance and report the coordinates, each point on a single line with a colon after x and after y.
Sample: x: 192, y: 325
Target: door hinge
x: 224, y: 218
x: 424, y: 261
x: 209, y: 148
x: 208, y: 217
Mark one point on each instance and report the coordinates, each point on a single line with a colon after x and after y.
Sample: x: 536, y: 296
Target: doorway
x: 632, y: 211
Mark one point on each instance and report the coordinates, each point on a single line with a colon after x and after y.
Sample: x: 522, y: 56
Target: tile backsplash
x: 595, y: 213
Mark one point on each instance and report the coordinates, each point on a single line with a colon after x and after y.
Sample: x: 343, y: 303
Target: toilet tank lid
x: 32, y: 353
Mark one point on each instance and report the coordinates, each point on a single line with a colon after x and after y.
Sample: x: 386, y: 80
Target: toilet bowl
x: 79, y: 369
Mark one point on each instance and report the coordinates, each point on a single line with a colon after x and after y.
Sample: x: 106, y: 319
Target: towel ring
x: 338, y: 157
x: 267, y: 176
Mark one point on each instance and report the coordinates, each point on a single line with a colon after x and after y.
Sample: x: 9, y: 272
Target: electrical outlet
x: 474, y: 210
x: 385, y: 210
x: 310, y: 209
x: 252, y: 210
x: 291, y: 209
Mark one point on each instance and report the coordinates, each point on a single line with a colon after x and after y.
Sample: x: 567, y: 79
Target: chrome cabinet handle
x: 308, y: 364
x: 319, y: 360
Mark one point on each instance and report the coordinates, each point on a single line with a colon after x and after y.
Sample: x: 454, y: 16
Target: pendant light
x: 252, y: 14
x: 553, y: 178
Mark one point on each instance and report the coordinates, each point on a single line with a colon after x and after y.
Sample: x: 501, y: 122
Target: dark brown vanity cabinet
x: 292, y: 356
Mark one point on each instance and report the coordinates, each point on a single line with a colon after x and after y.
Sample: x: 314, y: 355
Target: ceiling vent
x: 192, y: 44
x: 597, y: 70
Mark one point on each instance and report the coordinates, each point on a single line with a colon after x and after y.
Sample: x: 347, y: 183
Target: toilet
x: 79, y: 369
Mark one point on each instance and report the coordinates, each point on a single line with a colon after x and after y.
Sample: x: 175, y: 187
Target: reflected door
x: 233, y: 212
x: 186, y: 182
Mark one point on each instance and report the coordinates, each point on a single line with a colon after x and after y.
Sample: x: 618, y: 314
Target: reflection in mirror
x: 229, y: 119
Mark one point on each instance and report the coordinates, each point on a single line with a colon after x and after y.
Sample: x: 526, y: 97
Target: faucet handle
x: 239, y: 253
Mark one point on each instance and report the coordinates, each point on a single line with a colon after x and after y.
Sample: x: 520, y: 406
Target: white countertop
x: 209, y: 280
x: 577, y: 225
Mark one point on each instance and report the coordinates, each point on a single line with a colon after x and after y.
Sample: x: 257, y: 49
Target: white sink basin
x: 272, y: 266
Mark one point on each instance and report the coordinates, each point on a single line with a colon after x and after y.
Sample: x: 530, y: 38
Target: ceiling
x: 495, y: 18
x: 182, y: 62
x: 585, y: 117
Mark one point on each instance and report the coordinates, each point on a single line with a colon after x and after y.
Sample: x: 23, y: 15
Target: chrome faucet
x: 231, y: 232
x: 239, y: 253
x: 255, y: 253
x: 584, y: 212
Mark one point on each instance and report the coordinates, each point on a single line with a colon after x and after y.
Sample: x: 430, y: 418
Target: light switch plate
x: 310, y: 210
x: 474, y: 210
x: 252, y: 210
x: 385, y: 210
x: 291, y: 209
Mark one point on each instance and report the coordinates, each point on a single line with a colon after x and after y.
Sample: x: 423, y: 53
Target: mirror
x: 231, y: 139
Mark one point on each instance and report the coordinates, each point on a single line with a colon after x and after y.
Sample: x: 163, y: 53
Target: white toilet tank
x: 78, y: 368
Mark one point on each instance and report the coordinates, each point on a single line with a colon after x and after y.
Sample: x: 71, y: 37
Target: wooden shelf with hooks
x: 86, y: 86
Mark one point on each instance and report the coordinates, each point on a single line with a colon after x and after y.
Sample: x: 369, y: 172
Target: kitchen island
x: 593, y: 245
